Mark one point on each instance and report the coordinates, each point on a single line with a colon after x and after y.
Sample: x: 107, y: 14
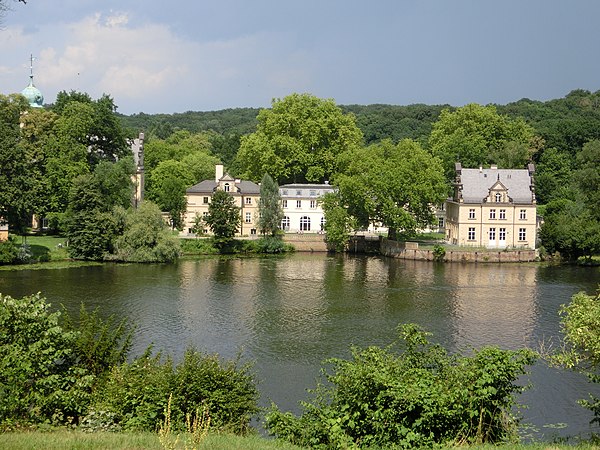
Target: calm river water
x: 289, y: 314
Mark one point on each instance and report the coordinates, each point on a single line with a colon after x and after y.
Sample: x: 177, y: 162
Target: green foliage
x: 476, y: 135
x: 273, y: 244
x: 39, y: 376
x: 136, y: 394
x: 439, y: 252
x: 145, y: 237
x: 581, y: 327
x: 297, y: 140
x: 394, y: 185
x: 338, y: 223
x: 419, y: 396
x: 9, y: 251
x: 223, y: 217
x: 270, y: 211
x: 204, y: 246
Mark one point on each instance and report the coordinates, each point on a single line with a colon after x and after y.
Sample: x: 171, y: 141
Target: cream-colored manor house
x: 245, y: 193
x: 302, y: 210
x: 492, y: 208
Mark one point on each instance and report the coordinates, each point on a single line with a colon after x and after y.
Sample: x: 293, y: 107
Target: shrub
x: 202, y: 246
x: 439, y: 253
x: 420, y: 396
x: 273, y: 244
x: 9, y: 251
x: 136, y: 395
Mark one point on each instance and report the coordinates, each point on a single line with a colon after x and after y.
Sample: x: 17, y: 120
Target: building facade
x: 245, y: 193
x: 302, y: 212
x: 492, y: 208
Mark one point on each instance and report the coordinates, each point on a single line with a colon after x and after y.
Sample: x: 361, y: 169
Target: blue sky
x: 158, y: 56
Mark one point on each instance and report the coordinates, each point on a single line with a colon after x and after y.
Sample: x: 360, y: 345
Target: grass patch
x: 78, y: 440
x: 45, y: 248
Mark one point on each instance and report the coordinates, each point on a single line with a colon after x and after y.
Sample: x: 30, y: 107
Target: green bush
x: 273, y: 244
x: 9, y: 251
x: 439, y: 253
x: 40, y: 380
x: 202, y: 246
x: 136, y: 395
x: 420, y: 396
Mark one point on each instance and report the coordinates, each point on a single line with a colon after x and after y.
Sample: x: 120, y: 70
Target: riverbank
x: 77, y: 440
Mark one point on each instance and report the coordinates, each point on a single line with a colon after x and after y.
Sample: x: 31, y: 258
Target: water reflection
x: 289, y: 314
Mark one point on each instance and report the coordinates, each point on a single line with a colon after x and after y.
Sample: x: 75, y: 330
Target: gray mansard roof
x: 476, y: 184
x: 208, y: 187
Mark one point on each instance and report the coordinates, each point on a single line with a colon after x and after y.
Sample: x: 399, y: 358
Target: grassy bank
x: 77, y: 440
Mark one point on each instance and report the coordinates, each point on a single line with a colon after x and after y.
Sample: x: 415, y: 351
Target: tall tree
x: 297, y: 140
x: 395, y: 185
x: 476, y: 135
x: 223, y: 217
x: 270, y: 211
x: 14, y: 177
x: 168, y: 182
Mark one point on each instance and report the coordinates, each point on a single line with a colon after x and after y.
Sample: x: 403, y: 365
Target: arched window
x: 304, y: 223
x: 498, y: 197
x: 226, y: 187
x: 285, y: 223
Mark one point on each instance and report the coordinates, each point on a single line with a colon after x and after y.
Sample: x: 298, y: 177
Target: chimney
x: 218, y: 172
x: 494, y: 167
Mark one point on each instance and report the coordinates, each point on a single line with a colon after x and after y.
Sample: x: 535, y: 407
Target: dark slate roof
x: 306, y: 186
x: 476, y: 184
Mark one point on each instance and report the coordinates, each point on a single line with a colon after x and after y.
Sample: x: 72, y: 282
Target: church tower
x: 31, y: 93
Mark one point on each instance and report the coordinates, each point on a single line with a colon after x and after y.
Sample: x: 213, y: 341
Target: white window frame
x: 248, y: 217
x: 472, y: 213
x: 502, y: 214
x: 471, y: 235
x: 298, y: 204
x: 492, y: 214
x: 522, y: 234
x: 248, y: 200
x: 523, y: 214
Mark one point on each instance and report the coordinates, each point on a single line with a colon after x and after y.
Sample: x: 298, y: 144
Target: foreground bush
x: 419, y: 396
x: 55, y: 372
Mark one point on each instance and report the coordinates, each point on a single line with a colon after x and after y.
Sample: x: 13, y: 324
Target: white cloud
x: 148, y: 67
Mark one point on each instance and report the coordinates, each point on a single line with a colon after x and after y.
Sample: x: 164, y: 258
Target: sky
x: 196, y: 55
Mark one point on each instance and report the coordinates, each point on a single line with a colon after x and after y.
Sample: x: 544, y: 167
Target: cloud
x: 149, y: 67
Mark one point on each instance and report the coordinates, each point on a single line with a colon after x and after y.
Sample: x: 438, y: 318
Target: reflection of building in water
x: 484, y: 306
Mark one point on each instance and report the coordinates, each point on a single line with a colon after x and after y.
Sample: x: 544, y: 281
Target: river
x: 288, y: 314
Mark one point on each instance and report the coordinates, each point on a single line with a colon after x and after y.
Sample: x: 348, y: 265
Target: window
x: 322, y: 223
x: 248, y: 217
x: 440, y: 222
x: 313, y: 204
x: 299, y: 192
x: 248, y: 200
x: 471, y: 236
x: 498, y: 197
x: 492, y: 213
x: 502, y: 234
x: 313, y: 193
x: 284, y: 192
x: 298, y: 203
x: 502, y: 214
x: 471, y: 214
x: 492, y: 234
x: 284, y: 203
x: 226, y: 187
x: 205, y: 200
x: 285, y: 223
x: 522, y: 234
x: 304, y: 223
x: 253, y: 231
x: 523, y: 214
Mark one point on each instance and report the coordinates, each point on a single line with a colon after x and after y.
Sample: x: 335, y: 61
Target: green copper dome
x: 33, y: 95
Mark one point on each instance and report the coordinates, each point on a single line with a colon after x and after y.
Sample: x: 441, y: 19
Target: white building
x: 302, y: 212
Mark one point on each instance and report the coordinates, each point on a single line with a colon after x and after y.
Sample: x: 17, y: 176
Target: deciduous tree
x: 395, y: 185
x: 297, y: 140
x: 223, y: 217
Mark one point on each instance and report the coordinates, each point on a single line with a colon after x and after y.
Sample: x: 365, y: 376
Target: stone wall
x: 401, y: 250
x: 306, y: 242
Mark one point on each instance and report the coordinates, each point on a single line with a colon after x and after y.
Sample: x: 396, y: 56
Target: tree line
x: 389, y: 163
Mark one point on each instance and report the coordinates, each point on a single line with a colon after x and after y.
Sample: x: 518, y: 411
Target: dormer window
x: 498, y: 197
x: 226, y: 187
